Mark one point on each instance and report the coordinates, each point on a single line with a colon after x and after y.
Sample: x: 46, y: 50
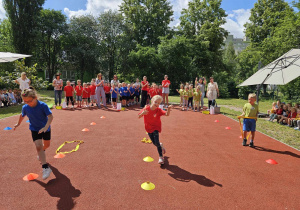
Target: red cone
x: 227, y: 128
x: 271, y: 161
x: 216, y: 120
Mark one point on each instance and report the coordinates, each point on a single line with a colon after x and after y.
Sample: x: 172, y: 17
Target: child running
x: 152, y: 122
x: 40, y: 118
x: 250, y: 110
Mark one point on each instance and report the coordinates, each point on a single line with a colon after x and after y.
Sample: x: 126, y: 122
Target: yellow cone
x: 143, y: 140
x: 149, y: 141
x: 148, y: 159
x: 147, y: 186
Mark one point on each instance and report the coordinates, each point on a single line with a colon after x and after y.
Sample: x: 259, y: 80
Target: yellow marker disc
x: 147, y: 186
x: 148, y: 159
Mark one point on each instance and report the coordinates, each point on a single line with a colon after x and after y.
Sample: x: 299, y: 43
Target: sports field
x: 206, y: 165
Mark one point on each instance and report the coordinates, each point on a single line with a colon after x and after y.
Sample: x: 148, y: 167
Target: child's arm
x: 19, y: 122
x: 44, y: 129
x: 145, y: 112
x: 169, y: 110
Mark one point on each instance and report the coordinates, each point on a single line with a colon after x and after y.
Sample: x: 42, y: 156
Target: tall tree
x: 265, y: 17
x: 202, y: 22
x: 82, y: 45
x: 52, y: 26
x: 111, y: 27
x: 149, y: 19
x: 23, y: 16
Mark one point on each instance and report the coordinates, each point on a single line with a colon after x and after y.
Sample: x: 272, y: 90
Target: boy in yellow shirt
x: 250, y: 110
x: 197, y: 96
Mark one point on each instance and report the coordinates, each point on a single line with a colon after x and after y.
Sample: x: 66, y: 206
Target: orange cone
x: 227, y: 128
x: 102, y: 117
x: 85, y: 129
x: 271, y: 161
x: 59, y: 155
x: 30, y: 177
x: 216, y: 120
x: 93, y: 123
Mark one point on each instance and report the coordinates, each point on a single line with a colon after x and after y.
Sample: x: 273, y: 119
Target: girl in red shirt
x: 145, y: 85
x: 93, y: 92
x: 152, y: 122
x: 165, y: 91
x: 85, y: 95
x: 69, y: 93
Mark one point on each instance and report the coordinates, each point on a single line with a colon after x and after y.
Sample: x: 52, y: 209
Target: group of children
x: 10, y: 97
x: 285, y: 114
x: 189, y: 97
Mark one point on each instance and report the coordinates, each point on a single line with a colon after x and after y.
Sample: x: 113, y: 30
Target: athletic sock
x: 45, y: 166
x: 251, y: 141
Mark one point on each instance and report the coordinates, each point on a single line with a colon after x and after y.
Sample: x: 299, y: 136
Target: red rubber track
x: 206, y: 165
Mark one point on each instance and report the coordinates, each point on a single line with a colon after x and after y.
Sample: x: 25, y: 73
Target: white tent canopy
x: 280, y: 72
x: 9, y: 57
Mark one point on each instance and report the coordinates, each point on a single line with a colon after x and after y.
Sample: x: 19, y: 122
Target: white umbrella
x: 279, y: 72
x: 9, y: 57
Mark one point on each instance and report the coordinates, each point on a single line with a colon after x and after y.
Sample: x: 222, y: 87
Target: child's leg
x: 46, y: 144
x: 155, y: 140
x: 72, y: 101
x: 40, y: 151
x: 252, y: 135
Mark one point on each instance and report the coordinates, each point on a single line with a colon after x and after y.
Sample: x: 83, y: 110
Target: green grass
x: 46, y: 96
x: 232, y: 109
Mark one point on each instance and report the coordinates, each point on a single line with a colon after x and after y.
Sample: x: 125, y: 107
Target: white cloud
x: 235, y: 22
x: 2, y: 10
x: 177, y: 6
x: 95, y: 7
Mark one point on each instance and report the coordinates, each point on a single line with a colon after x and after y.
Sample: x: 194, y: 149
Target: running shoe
x: 251, y: 144
x: 244, y: 142
x: 161, y: 160
x: 46, y: 172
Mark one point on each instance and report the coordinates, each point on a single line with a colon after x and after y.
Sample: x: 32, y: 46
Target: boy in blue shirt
x: 114, y: 95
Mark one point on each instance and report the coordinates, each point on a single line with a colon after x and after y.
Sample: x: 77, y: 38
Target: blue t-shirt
x: 121, y: 91
x: 137, y: 91
x: 124, y: 89
x: 38, y: 115
x: 113, y: 94
x: 132, y: 90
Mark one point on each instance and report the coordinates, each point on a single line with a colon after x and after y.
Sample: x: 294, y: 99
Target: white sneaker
x: 161, y: 160
x: 297, y: 128
x: 163, y: 149
x: 46, y: 172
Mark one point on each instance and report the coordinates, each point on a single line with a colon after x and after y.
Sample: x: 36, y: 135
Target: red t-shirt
x: 145, y: 87
x: 165, y: 83
x: 69, y: 91
x: 159, y: 92
x: 152, y: 119
x: 93, y: 89
x: 85, y: 92
x: 78, y: 90
x: 294, y: 115
x: 153, y: 92
x: 106, y: 89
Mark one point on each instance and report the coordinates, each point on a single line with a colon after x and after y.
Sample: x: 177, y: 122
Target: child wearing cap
x: 250, y: 110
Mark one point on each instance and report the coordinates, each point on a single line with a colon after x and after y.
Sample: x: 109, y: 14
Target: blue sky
x: 238, y: 10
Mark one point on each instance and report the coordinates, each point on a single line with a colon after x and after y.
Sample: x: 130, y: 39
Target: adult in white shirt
x: 57, y: 84
x: 212, y: 92
x: 23, y: 81
x: 115, y: 81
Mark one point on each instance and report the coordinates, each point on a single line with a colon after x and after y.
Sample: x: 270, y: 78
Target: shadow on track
x: 276, y: 151
x: 184, y: 176
x: 62, y: 188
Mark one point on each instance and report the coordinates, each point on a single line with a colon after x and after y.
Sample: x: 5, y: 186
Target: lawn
x: 229, y: 107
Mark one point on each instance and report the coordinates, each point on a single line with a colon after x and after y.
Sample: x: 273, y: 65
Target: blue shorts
x: 249, y: 125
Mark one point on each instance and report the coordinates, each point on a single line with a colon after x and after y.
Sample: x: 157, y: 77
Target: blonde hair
x: 79, y: 80
x: 29, y: 92
x: 157, y: 97
x: 23, y: 73
x: 252, y: 95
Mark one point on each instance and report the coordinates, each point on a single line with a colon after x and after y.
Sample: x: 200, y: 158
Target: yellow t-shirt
x: 197, y: 96
x: 250, y: 110
x: 181, y: 91
x: 190, y: 93
x: 186, y: 94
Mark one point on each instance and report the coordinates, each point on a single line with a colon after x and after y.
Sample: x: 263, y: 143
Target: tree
x: 265, y: 17
x: 111, y: 27
x: 6, y: 44
x: 23, y: 16
x: 149, y: 19
x: 202, y: 22
x: 52, y: 26
x: 82, y: 45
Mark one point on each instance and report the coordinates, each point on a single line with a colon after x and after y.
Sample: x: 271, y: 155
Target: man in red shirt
x: 69, y: 93
x: 152, y: 122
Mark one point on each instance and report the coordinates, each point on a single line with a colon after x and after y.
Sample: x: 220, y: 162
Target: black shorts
x: 44, y: 135
x: 114, y: 99
x: 132, y: 97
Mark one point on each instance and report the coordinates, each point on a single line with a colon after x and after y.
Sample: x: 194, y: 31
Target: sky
x: 238, y: 11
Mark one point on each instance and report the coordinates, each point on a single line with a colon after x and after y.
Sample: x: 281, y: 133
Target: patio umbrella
x: 279, y: 72
x: 9, y: 57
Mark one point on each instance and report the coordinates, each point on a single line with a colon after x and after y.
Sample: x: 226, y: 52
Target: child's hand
x: 145, y: 112
x: 16, y: 125
x: 170, y: 107
x: 44, y: 129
